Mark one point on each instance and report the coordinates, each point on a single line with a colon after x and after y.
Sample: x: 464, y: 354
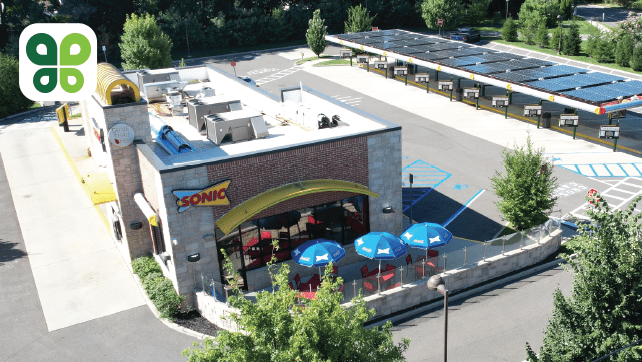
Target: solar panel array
x: 592, y: 87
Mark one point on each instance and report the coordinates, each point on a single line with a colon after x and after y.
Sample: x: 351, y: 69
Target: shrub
x: 572, y: 40
x: 143, y: 44
x: 636, y: 58
x: 11, y: 98
x: 509, y: 30
x: 624, y: 50
x: 450, y: 11
x: 554, y: 42
x: 601, y: 47
x: 159, y: 289
x: 542, y: 39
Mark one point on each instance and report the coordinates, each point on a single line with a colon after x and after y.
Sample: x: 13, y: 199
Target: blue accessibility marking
x: 425, y: 178
x: 460, y: 187
x: 462, y: 208
x: 605, y: 169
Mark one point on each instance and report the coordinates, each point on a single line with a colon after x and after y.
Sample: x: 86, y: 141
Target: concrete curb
x: 169, y: 324
x: 26, y: 113
x: 457, y: 296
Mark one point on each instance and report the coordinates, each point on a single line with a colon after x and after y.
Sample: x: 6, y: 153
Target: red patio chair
x: 433, y: 253
x: 432, y: 263
x: 364, y: 271
x: 297, y: 280
x: 419, y: 271
x: 335, y: 270
x: 390, y: 267
x: 266, y: 235
x: 368, y: 287
x: 290, y: 285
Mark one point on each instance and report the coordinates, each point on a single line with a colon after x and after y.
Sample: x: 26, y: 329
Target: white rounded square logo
x: 58, y: 62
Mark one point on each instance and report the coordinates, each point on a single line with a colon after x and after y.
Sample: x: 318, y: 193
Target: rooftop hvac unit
x: 157, y: 91
x: 197, y: 109
x: 238, y: 125
x: 157, y: 76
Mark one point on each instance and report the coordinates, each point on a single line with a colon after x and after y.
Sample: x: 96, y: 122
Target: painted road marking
x: 279, y: 75
x: 614, y: 187
x: 261, y: 71
x: 462, y: 208
x: 605, y: 169
x: 348, y: 99
x: 426, y: 178
x: 568, y: 189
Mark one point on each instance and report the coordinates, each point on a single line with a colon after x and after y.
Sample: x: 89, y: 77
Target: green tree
x: 278, y: 329
x: 554, y: 42
x: 358, y: 20
x: 624, y: 50
x: 316, y: 33
x: 530, y: 27
x: 547, y: 9
x: 636, y: 58
x: 604, y: 311
x: 566, y: 7
x: 144, y: 45
x: 509, y: 30
x: 542, y: 39
x: 526, y: 190
x: 601, y: 47
x: 451, y: 11
x: 572, y: 41
x: 476, y: 11
x: 11, y: 98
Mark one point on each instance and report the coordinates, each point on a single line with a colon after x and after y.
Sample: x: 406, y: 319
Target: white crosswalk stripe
x: 350, y: 100
x: 278, y: 75
x: 614, y: 202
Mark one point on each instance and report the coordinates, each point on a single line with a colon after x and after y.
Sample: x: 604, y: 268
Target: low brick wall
x: 409, y: 295
x: 215, y: 311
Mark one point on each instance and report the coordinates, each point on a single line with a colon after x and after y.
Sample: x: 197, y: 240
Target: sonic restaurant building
x: 287, y: 180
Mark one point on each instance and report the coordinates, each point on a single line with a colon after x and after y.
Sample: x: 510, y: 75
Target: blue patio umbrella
x: 426, y: 236
x: 380, y: 246
x: 318, y: 253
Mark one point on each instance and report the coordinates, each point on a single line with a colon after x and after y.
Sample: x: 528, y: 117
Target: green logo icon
x: 48, y: 60
x: 58, y: 62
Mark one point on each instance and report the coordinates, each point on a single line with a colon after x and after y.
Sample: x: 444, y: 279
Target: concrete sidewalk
x: 78, y: 272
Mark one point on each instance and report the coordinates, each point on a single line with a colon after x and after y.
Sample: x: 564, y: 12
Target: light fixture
x: 388, y: 210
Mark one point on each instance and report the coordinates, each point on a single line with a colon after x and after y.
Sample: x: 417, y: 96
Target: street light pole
x: 436, y: 283
x: 559, y: 47
x: 189, y: 55
x: 507, y: 9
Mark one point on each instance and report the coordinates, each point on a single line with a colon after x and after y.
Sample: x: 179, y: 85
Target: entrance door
x: 233, y: 248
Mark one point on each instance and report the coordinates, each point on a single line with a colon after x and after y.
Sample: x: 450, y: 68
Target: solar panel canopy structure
x: 576, y: 87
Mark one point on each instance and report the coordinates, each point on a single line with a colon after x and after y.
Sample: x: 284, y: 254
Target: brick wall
x: 341, y: 160
x: 149, y: 176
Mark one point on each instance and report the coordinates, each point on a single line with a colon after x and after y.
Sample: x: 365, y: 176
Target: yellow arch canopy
x: 258, y: 203
x: 108, y: 78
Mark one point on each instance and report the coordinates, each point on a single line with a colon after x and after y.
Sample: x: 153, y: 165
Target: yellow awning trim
x: 108, y: 78
x: 258, y: 203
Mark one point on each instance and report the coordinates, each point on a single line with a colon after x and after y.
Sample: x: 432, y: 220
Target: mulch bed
x: 194, y: 321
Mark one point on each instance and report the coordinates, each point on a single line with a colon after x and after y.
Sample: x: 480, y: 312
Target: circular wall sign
x: 121, y: 135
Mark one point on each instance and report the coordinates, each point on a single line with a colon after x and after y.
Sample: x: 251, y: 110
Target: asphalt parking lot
x: 457, y: 165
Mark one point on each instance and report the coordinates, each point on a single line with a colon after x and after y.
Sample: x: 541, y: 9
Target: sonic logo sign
x: 214, y: 195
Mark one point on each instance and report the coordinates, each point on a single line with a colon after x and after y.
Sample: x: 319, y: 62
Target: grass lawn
x: 582, y: 57
x: 333, y: 62
x: 299, y: 62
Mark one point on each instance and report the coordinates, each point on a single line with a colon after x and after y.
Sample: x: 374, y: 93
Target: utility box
x: 157, y: 91
x: 422, y: 78
x: 198, y: 109
x: 240, y: 125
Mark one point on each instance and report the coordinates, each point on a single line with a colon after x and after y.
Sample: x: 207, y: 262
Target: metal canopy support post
x: 368, y: 66
x: 386, y: 72
x: 574, y: 131
x: 406, y: 79
x: 539, y: 117
x: 483, y: 90
x: 427, y: 86
x: 617, y: 117
x: 506, y: 112
x: 350, y: 59
x: 436, y: 76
